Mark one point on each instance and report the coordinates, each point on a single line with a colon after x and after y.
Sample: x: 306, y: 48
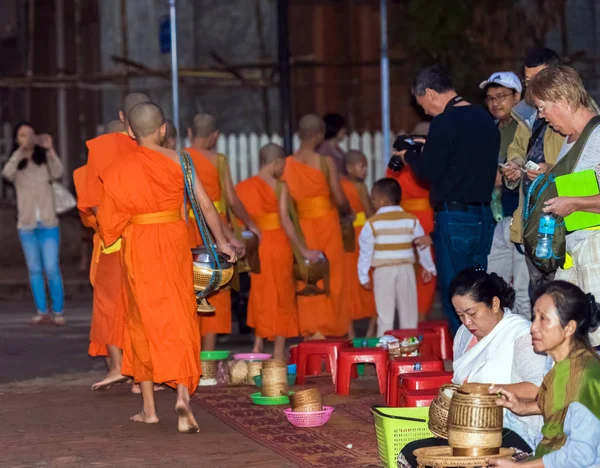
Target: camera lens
x: 396, y: 163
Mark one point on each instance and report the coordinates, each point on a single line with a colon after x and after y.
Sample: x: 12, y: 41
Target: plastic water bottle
x: 545, y: 236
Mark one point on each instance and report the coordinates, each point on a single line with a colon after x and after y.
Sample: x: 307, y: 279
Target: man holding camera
x: 459, y: 160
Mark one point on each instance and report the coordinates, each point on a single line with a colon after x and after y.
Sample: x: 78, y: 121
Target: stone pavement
x: 50, y: 418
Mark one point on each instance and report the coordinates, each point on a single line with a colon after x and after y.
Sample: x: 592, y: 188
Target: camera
x: 404, y: 142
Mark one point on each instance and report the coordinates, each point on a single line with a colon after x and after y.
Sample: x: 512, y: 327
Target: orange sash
x: 416, y: 204
x: 314, y: 207
x: 268, y: 222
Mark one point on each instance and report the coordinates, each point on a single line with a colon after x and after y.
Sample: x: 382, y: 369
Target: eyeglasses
x: 498, y: 98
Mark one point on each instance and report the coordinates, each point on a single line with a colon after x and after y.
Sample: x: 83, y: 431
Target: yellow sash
x: 268, y: 222
x: 314, y: 207
x: 218, y: 205
x: 360, y: 220
x: 416, y: 204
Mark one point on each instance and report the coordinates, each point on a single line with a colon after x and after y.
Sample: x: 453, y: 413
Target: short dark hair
x: 333, y: 124
x: 389, y: 188
x: 572, y: 304
x: 542, y: 56
x: 434, y: 77
x: 482, y: 286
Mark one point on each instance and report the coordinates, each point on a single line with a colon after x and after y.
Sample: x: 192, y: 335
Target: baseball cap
x: 506, y: 79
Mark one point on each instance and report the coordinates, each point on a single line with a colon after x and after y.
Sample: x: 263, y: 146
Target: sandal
x: 59, y: 320
x: 40, y: 319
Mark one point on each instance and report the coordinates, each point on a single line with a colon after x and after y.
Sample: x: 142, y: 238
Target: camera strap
x: 455, y: 100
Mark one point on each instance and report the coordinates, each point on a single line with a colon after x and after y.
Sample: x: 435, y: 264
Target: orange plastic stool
x: 349, y: 357
x: 405, y: 365
x: 431, y: 380
x: 414, y: 398
x: 430, y: 345
x: 310, y: 351
x: 443, y: 330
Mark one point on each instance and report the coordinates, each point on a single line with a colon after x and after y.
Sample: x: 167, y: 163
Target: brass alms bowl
x: 202, y: 275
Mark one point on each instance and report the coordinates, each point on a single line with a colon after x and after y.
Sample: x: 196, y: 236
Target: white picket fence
x: 242, y: 152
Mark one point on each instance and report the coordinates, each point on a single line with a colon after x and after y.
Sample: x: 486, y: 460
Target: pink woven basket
x: 311, y: 419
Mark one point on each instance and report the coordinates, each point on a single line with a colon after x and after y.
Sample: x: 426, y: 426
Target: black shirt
x: 460, y: 157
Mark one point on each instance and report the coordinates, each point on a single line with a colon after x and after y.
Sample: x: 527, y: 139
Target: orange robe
x: 358, y: 302
x: 144, y: 194
x: 272, y: 302
x: 415, y: 200
x: 320, y: 225
x: 108, y: 307
x: 219, y: 323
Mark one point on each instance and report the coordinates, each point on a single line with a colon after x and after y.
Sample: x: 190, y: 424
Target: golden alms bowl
x: 312, y: 272
x: 203, y: 272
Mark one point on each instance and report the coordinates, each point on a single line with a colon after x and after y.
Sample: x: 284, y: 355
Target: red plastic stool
x: 414, y: 398
x: 430, y: 345
x: 348, y: 357
x: 319, y: 349
x: 314, y: 364
x: 443, y: 330
x: 432, y: 380
x: 405, y: 365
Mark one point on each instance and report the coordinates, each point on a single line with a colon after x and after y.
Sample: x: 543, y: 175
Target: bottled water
x: 545, y: 236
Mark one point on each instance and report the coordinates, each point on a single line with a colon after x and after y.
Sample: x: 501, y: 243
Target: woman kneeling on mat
x: 493, y: 345
x: 569, y: 397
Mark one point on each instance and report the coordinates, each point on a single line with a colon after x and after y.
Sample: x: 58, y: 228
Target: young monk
x: 318, y: 200
x: 115, y: 126
x: 204, y: 135
x: 107, y: 329
x: 415, y: 200
x: 272, y: 303
x: 144, y: 194
x: 359, y: 303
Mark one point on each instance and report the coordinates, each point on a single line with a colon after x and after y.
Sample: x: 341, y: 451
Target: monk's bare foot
x: 135, y: 388
x: 186, y: 423
x: 109, y: 381
x: 144, y: 418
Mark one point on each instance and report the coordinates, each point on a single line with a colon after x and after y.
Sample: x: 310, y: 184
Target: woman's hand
x: 501, y: 463
x: 45, y: 141
x: 510, y: 400
x: 544, y: 167
x: 561, y: 206
x: 512, y: 171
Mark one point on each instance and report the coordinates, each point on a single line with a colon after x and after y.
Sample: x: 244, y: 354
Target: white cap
x: 506, y: 79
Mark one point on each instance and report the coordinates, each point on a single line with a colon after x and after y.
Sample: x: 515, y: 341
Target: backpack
x: 543, y: 189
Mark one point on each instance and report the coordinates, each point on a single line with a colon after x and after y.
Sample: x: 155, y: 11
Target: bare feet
x: 109, y: 381
x: 143, y: 418
x: 135, y: 388
x: 186, y: 423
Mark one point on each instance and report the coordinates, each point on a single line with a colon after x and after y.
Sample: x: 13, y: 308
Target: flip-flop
x: 40, y: 319
x: 107, y: 385
x: 59, y: 320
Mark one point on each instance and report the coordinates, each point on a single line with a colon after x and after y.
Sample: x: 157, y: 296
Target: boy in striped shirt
x: 387, y: 244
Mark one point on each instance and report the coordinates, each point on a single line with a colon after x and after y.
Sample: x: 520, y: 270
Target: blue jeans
x: 462, y: 239
x: 41, y: 246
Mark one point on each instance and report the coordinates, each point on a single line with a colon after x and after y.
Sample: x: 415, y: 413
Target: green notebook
x: 579, y: 184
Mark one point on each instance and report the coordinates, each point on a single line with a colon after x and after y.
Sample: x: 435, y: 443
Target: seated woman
x: 569, y: 398
x: 492, y: 345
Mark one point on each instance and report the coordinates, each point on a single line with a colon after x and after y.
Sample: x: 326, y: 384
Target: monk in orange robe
x: 142, y: 204
x: 272, y: 303
x: 204, y: 135
x: 318, y: 200
x: 107, y: 329
x: 415, y: 200
x: 359, y: 302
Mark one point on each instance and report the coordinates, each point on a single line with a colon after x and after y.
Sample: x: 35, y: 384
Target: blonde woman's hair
x: 558, y: 83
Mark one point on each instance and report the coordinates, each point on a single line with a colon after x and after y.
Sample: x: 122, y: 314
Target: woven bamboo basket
x: 474, y: 421
x: 274, y: 364
x: 209, y: 369
x: 438, y: 411
x: 404, y: 351
x: 238, y: 372
x: 442, y: 457
x: 254, y: 368
x: 306, y: 401
x: 274, y: 381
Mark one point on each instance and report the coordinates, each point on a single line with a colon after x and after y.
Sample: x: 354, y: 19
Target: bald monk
x: 272, y: 302
x: 143, y: 200
x: 415, y: 200
x: 109, y: 301
x: 115, y: 126
x: 318, y: 200
x: 171, y: 135
x: 359, y: 303
x: 203, y: 135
